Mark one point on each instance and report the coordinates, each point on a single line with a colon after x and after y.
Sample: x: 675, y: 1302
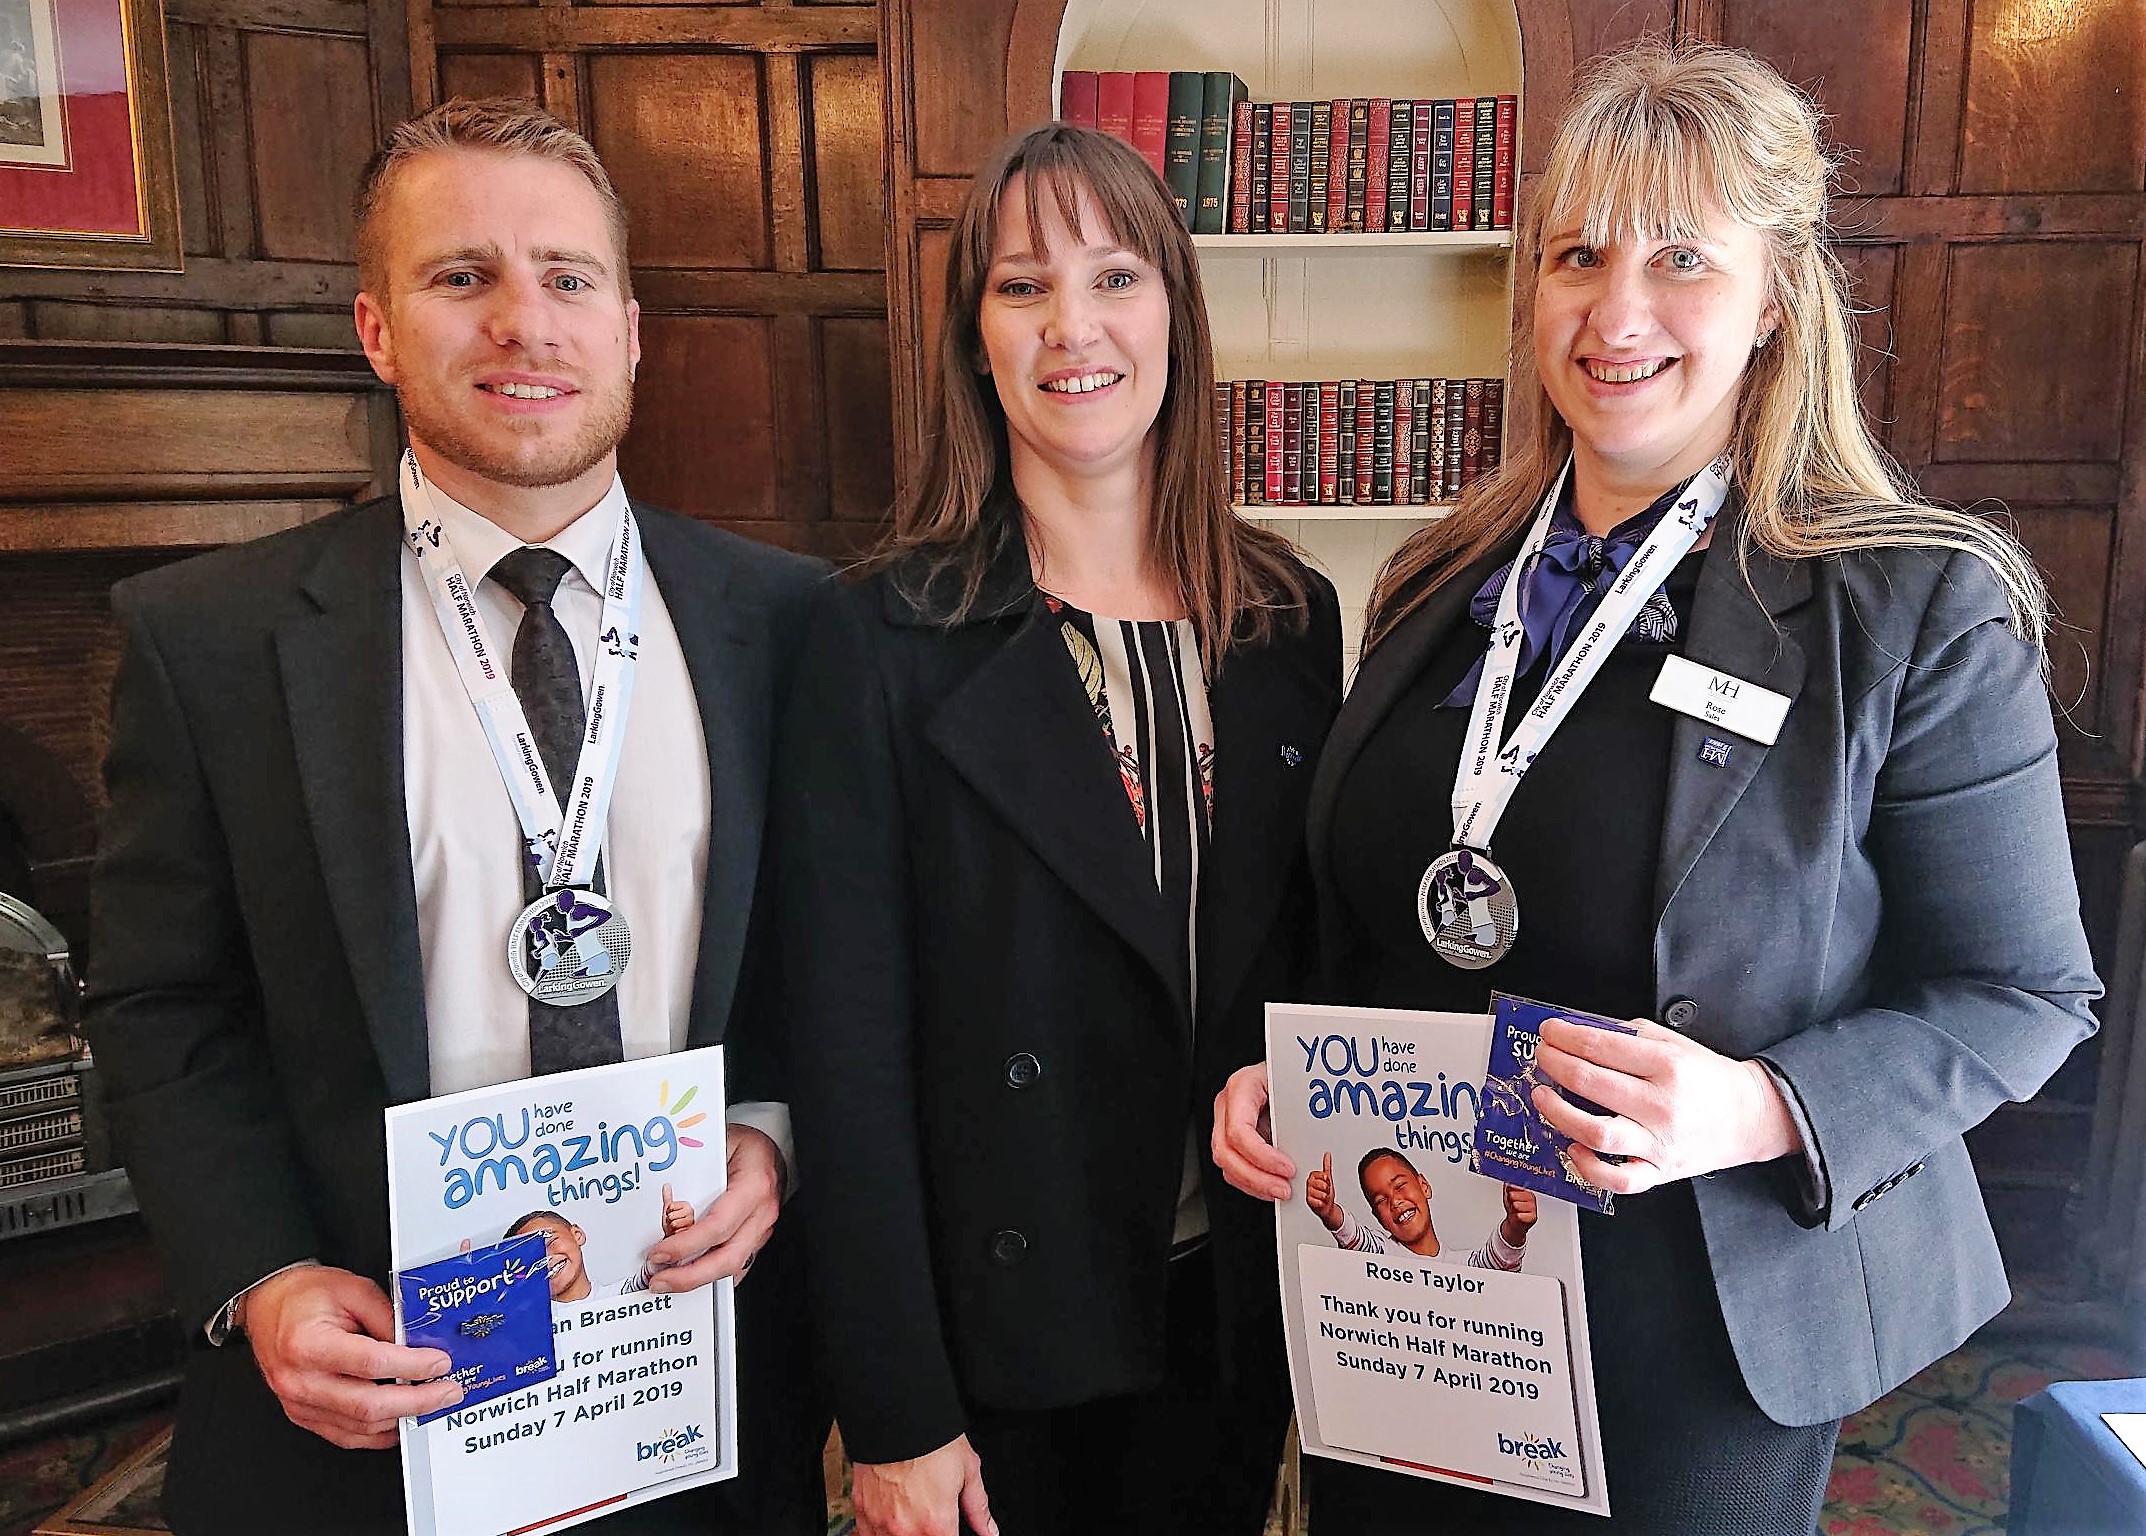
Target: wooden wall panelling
x: 2054, y: 100
x: 2012, y: 251
x: 746, y: 140
x: 276, y: 104
x: 1852, y: 55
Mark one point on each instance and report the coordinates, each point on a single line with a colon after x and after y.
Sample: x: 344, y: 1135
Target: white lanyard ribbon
x: 1489, y: 773
x: 562, y: 848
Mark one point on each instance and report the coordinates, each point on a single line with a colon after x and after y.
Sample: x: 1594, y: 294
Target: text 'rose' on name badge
x: 1717, y: 698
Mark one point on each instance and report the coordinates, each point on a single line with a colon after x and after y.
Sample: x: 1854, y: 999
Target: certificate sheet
x: 1421, y: 1338
x: 644, y: 1402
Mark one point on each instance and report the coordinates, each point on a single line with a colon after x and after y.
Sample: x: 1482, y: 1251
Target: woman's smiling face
x: 1642, y: 343
x: 1076, y: 337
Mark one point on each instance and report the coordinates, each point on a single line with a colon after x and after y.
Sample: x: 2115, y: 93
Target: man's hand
x: 1674, y: 1109
x: 1243, y: 1141
x: 1520, y: 1215
x: 323, y: 1339
x: 1319, y: 1194
x: 929, y: 1496
x: 724, y: 1242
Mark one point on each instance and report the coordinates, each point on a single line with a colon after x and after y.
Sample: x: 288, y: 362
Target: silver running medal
x: 570, y: 945
x: 1466, y: 904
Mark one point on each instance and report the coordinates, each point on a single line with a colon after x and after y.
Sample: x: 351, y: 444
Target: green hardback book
x: 1181, y: 140
x: 1219, y: 94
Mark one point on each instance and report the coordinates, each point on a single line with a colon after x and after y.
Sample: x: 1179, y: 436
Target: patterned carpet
x: 1932, y: 1459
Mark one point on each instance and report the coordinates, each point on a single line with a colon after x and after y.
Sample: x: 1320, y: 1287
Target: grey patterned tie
x: 547, y: 679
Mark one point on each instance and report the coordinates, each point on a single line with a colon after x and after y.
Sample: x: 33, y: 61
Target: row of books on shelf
x: 1352, y: 165
x: 1358, y: 442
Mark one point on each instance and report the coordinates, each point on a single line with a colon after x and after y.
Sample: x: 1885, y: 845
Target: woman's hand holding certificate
x: 1674, y: 1109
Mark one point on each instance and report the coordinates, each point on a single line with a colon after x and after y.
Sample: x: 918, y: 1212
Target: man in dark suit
x: 312, y: 857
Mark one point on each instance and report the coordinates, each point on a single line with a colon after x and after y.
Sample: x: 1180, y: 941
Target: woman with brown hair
x: 1039, y: 812
x: 1762, y: 761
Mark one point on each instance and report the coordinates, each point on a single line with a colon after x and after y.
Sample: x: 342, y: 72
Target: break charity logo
x: 1531, y: 1448
x: 667, y: 1447
x: 546, y: 1144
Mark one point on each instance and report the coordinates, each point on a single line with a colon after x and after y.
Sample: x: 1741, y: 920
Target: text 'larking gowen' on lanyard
x: 1468, y: 909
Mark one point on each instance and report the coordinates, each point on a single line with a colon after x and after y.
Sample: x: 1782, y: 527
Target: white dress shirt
x: 465, y: 843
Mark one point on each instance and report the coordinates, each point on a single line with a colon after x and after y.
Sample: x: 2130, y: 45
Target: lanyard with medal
x: 569, y: 945
x: 1466, y: 903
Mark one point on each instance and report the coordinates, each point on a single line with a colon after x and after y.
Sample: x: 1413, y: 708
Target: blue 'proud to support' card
x: 1513, y: 1144
x: 490, y: 1310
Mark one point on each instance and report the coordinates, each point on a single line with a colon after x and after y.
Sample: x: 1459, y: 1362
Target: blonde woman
x: 1775, y: 778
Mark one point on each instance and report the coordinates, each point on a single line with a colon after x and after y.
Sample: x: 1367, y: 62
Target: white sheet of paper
x: 1427, y: 1366
x: 645, y: 1402
x: 2131, y: 1429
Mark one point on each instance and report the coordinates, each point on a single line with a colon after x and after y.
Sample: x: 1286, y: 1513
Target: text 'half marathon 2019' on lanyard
x: 568, y: 946
x: 1465, y: 902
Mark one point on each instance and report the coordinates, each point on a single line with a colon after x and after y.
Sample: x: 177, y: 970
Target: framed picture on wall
x: 87, y: 177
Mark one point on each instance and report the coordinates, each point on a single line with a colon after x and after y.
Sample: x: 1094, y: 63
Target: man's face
x: 562, y: 1251
x: 505, y: 328
x: 1400, y: 1198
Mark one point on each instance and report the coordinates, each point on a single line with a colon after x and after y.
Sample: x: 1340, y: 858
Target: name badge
x: 1719, y: 699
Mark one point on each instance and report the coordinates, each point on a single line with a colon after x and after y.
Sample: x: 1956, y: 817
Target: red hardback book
x: 1277, y: 429
x: 1337, y: 165
x: 1240, y: 168
x: 1151, y: 115
x: 1501, y: 194
x: 1377, y: 151
x: 1293, y: 444
x: 1367, y: 393
x: 1330, y: 442
x: 1278, y: 156
x: 1114, y: 102
x: 1492, y: 453
x: 1463, y: 160
x: 1076, y: 98
x: 1471, y: 435
x: 1419, y: 170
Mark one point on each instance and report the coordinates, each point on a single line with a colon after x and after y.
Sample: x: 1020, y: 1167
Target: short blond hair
x: 503, y: 125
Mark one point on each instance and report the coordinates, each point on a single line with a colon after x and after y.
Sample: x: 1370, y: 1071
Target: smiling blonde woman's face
x: 1642, y: 343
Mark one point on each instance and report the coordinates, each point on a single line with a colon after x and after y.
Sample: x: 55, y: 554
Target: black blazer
x: 1881, y: 905
x: 995, y: 1061
x: 256, y: 997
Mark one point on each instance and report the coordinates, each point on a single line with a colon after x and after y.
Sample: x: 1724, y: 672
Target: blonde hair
x: 1233, y: 577
x: 1660, y: 140
x: 504, y: 125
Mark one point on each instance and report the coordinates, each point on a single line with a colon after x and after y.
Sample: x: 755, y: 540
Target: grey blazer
x: 1881, y: 906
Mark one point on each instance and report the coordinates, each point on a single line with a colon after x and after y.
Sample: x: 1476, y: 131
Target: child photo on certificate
x: 1399, y: 1197
x: 566, y: 1252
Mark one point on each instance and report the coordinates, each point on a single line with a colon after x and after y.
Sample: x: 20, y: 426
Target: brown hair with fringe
x: 1234, y: 577
x: 1662, y: 140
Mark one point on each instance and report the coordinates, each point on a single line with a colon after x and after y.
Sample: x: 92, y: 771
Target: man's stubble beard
x: 556, y: 464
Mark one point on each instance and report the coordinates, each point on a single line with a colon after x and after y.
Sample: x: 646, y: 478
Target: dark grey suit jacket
x: 256, y: 997
x: 1881, y: 905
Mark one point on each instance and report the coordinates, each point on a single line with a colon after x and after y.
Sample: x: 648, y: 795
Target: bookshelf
x: 1333, y: 306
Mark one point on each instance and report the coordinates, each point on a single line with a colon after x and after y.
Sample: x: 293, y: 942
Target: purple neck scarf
x: 1564, y: 587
